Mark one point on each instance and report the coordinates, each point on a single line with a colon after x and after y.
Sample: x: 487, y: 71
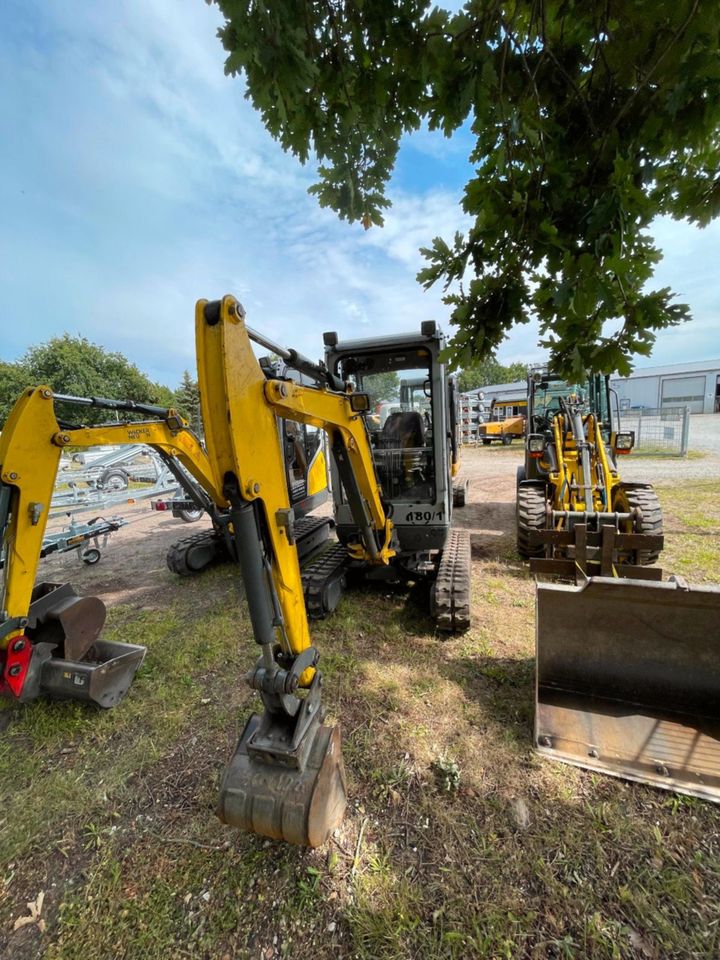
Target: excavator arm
x: 285, y: 779
x: 49, y: 637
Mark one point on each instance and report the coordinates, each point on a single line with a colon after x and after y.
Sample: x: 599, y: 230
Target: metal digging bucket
x: 300, y: 803
x: 628, y: 681
x: 69, y: 661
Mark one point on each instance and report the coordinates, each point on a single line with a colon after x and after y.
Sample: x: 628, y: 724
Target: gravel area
x: 703, y: 463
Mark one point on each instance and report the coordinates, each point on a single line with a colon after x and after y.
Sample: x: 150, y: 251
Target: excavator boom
x: 286, y: 778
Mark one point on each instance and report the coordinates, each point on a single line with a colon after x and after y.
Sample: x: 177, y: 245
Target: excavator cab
x: 411, y: 427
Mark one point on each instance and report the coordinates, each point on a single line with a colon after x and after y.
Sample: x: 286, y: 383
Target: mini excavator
x: 286, y: 778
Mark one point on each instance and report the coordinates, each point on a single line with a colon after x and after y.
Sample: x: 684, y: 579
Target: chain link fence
x: 658, y: 432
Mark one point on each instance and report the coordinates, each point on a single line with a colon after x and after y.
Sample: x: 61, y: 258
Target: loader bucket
x: 628, y: 681
x: 299, y: 804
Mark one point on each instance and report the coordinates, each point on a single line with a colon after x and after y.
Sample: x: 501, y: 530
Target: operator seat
x: 403, y: 430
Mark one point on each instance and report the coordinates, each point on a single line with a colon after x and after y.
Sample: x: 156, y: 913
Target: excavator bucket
x: 628, y: 681
x: 69, y: 661
x: 300, y: 798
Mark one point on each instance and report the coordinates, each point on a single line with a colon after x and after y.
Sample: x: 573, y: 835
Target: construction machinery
x: 573, y: 509
x: 505, y: 423
x: 304, y: 448
x: 286, y: 778
x: 625, y: 675
x: 412, y: 431
x: 625, y: 664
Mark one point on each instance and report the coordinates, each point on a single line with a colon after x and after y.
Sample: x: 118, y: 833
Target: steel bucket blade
x: 104, y: 679
x: 628, y: 681
x: 301, y: 805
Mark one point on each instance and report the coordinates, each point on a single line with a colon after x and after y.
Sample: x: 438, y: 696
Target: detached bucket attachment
x: 286, y: 779
x: 628, y: 681
x: 67, y: 660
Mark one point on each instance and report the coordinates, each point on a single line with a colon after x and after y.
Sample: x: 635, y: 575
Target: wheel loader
x: 573, y: 509
x: 626, y: 664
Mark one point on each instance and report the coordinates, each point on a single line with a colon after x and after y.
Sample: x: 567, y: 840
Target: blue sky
x: 135, y: 178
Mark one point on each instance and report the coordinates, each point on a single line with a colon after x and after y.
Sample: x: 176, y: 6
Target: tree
x: 187, y: 400
x: 591, y: 119
x: 382, y: 386
x: 13, y: 380
x: 488, y: 371
x: 74, y: 366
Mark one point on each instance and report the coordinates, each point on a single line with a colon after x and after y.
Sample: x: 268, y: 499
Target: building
x: 500, y: 391
x: 695, y: 385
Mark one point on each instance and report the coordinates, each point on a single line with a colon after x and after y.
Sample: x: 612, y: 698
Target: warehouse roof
x: 677, y: 369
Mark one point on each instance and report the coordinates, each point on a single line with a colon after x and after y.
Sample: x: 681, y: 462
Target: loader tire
x: 647, y: 501
x: 459, y: 494
x: 530, y: 508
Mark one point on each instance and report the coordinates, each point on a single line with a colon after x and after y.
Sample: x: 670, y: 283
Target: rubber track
x: 652, y: 522
x: 530, y: 516
x: 177, y: 554
x: 450, y: 598
x: 331, y: 564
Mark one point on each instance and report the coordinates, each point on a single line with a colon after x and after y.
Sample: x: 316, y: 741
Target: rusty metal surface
x: 104, y: 680
x: 299, y: 805
x: 628, y: 681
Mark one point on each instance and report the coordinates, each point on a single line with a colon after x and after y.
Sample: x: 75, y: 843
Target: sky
x: 135, y: 179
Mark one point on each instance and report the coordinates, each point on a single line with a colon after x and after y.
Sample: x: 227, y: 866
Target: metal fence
x: 658, y: 432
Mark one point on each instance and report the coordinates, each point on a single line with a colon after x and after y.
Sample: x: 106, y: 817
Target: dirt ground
x: 459, y: 842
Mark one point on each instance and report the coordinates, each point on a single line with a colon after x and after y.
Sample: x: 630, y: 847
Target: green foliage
x: 381, y: 386
x: 483, y: 372
x: 186, y: 400
x: 591, y: 119
x: 13, y: 380
x: 75, y: 366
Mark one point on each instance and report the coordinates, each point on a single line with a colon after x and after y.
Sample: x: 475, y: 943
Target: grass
x: 692, y: 530
x: 459, y: 840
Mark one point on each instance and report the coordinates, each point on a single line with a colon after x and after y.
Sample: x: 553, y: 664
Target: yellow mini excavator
x: 286, y: 778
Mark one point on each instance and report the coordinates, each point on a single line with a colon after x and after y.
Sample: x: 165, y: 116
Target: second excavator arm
x: 46, y: 631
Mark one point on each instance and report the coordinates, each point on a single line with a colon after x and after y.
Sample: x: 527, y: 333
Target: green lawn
x: 459, y: 841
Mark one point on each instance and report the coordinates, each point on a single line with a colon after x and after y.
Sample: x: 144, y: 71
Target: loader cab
x: 545, y: 395
x: 410, y: 422
x: 545, y: 391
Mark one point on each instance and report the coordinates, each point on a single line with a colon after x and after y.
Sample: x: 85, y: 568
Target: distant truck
x: 506, y: 423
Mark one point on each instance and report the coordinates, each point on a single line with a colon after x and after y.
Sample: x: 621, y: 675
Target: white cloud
x: 137, y: 179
